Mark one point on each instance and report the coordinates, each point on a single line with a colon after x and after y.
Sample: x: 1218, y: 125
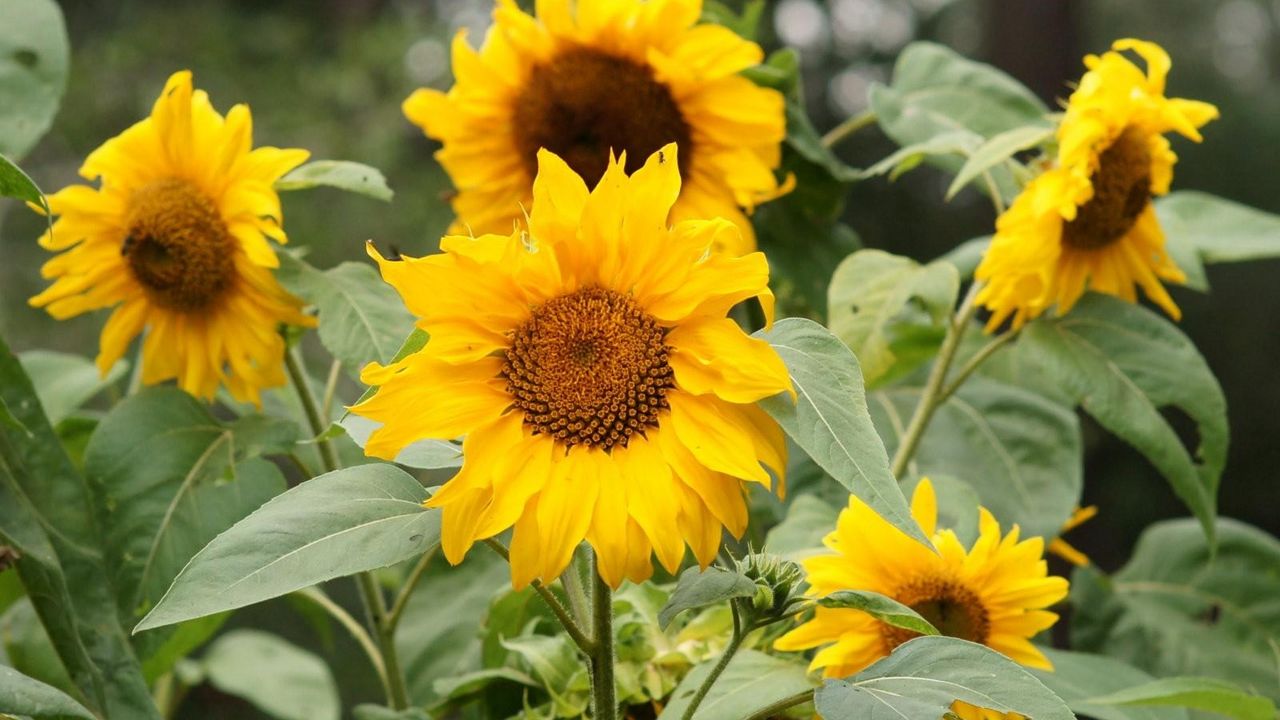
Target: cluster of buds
x: 779, y: 586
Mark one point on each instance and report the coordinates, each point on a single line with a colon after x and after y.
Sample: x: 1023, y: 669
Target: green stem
x: 846, y: 129
x: 932, y: 396
x: 769, y: 711
x: 994, y: 191
x: 557, y: 608
x: 406, y: 590
x: 735, y: 641
x: 361, y: 636
x: 603, y: 702
x: 571, y: 581
x: 293, y: 363
x: 975, y: 362
x: 330, y: 389
x: 398, y: 697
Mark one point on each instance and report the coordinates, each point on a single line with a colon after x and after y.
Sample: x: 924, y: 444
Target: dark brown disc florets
x: 1121, y: 191
x: 177, y: 247
x: 952, y: 608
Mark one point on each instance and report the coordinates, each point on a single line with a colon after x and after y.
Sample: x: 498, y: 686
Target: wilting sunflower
x: 602, y: 392
x: 994, y: 593
x: 589, y: 78
x: 176, y: 239
x: 1087, y: 223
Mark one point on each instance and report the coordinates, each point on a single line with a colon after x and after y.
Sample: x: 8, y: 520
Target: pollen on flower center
x: 589, y: 368
x: 177, y: 247
x: 584, y: 103
x: 952, y: 608
x: 1121, y: 191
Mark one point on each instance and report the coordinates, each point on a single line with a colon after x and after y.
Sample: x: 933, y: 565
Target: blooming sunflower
x: 994, y: 593
x: 176, y: 239
x: 1087, y: 222
x: 589, y: 363
x: 593, y: 78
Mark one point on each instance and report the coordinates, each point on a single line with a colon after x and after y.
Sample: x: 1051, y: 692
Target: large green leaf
x: 21, y: 695
x: 1078, y: 677
x: 881, y: 607
x: 1217, y: 696
x: 168, y: 478
x: 341, y: 174
x: 1019, y: 451
x: 34, y: 56
x: 809, y: 519
x: 343, y: 522
x: 27, y: 647
x: 280, y: 679
x: 64, y: 570
x: 1201, y: 229
x: 881, y: 304
x: 829, y: 418
x: 1123, y: 363
x: 752, y: 682
x: 64, y: 382
x: 922, y: 677
x: 999, y: 149
x: 699, y: 588
x: 1180, y: 608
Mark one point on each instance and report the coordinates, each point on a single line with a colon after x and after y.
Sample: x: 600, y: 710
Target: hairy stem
x: 769, y: 711
x: 406, y: 590
x: 558, y: 609
x: 846, y: 129
x: 603, y: 702
x: 398, y: 697
x: 735, y: 641
x: 330, y: 389
x: 293, y: 362
x: 975, y: 362
x: 353, y: 626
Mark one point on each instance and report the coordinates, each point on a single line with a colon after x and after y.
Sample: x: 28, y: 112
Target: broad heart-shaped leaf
x: 361, y: 317
x: 34, y: 56
x: 700, y: 588
x: 922, y: 677
x: 1202, y: 229
x: 881, y: 607
x: 340, y: 523
x: 63, y: 569
x: 1217, y: 696
x: 1077, y: 677
x: 829, y: 420
x: 1123, y: 363
x: 877, y: 300
x: 1178, y: 608
x: 21, y: 695
x: 750, y: 684
x: 168, y: 478
x: 282, y: 680
x: 1019, y: 451
x: 64, y: 382
x: 341, y: 174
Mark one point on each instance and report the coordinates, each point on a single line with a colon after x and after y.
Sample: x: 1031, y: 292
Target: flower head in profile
x: 588, y: 79
x: 177, y: 240
x: 994, y: 593
x: 1087, y: 223
x: 588, y: 361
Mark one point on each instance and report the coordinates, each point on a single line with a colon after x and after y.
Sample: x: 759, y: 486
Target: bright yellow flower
x: 993, y: 593
x: 582, y: 79
x: 1065, y: 550
x: 1087, y: 222
x: 588, y: 361
x: 961, y: 710
x: 176, y: 239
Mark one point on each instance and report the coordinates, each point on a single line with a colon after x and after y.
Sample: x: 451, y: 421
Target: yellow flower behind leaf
x: 961, y: 710
x: 588, y: 361
x: 994, y: 593
x: 589, y: 78
x: 1065, y: 550
x: 1087, y: 223
x: 177, y: 240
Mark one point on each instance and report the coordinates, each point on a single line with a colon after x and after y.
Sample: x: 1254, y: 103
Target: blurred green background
x: 329, y: 75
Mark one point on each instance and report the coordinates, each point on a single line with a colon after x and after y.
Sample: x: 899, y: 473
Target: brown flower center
x: 1121, y: 191
x: 178, y: 247
x: 952, y: 608
x: 589, y: 368
x: 584, y: 103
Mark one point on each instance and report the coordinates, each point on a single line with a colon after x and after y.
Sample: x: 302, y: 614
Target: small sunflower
x: 176, y: 239
x: 994, y: 593
x: 1087, y: 222
x: 589, y: 363
x: 588, y: 79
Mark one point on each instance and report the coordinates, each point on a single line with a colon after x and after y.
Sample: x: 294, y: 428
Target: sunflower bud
x: 778, y: 583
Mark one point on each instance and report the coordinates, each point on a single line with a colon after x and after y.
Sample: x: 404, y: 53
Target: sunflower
x: 593, y: 78
x: 176, y: 239
x: 994, y: 593
x: 589, y: 363
x: 961, y: 710
x: 1087, y: 222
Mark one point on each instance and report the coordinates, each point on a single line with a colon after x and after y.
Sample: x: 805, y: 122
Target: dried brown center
x: 178, y: 247
x: 1121, y: 191
x: 951, y: 607
x: 584, y: 103
x: 589, y: 368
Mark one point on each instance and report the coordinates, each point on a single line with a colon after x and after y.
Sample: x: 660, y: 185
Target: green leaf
x: 341, y: 523
x: 1200, y: 228
x: 64, y: 382
x: 469, y: 684
x: 751, y: 683
x: 1198, y: 693
x: 15, y: 184
x: 700, y: 588
x: 425, y: 454
x: 21, y: 695
x: 361, y: 317
x: 1000, y: 148
x: 1180, y: 608
x: 959, y: 144
x: 829, y: 420
x: 881, y: 607
x: 1123, y: 363
x: 280, y: 679
x: 967, y: 255
x: 341, y: 174
x: 1078, y: 677
x: 34, y: 56
x: 378, y: 712
x: 922, y: 677
x: 745, y: 25
x: 876, y: 300
x: 808, y: 520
